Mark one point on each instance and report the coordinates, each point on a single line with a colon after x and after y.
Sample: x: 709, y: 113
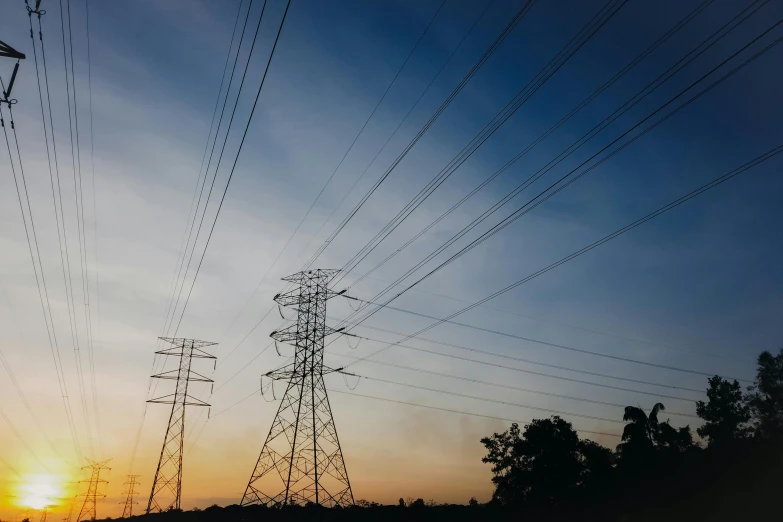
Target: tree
x: 638, y: 439
x: 473, y: 502
x: 401, y: 502
x: 674, y: 440
x: 597, y: 461
x: 765, y: 397
x: 726, y: 414
x: 418, y: 503
x: 542, y: 466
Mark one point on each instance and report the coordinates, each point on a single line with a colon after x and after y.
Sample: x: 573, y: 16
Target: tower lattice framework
x: 301, y: 460
x: 90, y: 505
x: 167, y: 484
x: 130, y: 499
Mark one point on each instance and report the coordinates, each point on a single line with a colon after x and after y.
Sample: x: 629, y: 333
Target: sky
x: 698, y: 288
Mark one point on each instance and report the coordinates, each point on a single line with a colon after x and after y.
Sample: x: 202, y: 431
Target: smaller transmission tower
x: 70, y: 509
x: 167, y: 484
x: 89, y: 508
x: 127, y: 511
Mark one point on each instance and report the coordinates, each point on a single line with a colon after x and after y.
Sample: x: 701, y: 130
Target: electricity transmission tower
x: 89, y: 507
x: 70, y: 510
x: 167, y: 484
x: 301, y: 460
x: 127, y: 511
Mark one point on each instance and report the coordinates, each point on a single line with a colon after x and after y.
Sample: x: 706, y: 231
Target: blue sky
x: 697, y: 288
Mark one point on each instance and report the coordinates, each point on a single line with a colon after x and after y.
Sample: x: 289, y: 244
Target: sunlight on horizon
x: 40, y: 491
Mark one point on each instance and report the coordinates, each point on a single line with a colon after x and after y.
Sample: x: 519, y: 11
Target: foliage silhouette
x: 726, y: 414
x: 765, y: 397
x: 544, y: 471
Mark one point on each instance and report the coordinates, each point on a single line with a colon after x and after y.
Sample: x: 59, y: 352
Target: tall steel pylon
x: 89, y: 507
x: 167, y: 484
x: 130, y: 499
x: 301, y: 460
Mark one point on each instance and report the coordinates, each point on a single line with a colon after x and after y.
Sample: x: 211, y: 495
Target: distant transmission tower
x: 89, y: 507
x: 167, y: 484
x: 130, y: 500
x: 70, y: 510
x: 301, y: 460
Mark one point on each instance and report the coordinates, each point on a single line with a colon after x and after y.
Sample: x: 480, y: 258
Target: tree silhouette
x: 638, y: 439
x: 674, y: 440
x: 765, y: 397
x: 545, y: 465
x: 725, y: 413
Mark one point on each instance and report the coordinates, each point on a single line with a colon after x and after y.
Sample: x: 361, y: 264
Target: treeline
x: 657, y: 471
x: 545, y: 472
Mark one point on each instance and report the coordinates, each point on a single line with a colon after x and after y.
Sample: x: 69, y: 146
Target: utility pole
x: 301, y: 460
x: 89, y: 508
x: 167, y: 484
x: 127, y: 511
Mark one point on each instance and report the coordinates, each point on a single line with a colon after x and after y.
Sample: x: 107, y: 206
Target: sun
x: 39, y: 491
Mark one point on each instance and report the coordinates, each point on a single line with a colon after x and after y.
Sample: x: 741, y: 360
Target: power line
x: 15, y: 383
x: 186, y: 234
x: 679, y: 65
x: 59, y: 216
x: 384, y: 399
x: 331, y: 176
x: 10, y: 467
x: 587, y: 32
x: 415, y: 104
x: 40, y: 279
x: 609, y: 119
x: 496, y: 385
x: 540, y: 374
x: 95, y: 224
x: 343, y: 392
x: 560, y: 324
x: 494, y: 401
x: 554, y: 188
x: 22, y: 439
x: 550, y: 344
x: 524, y: 360
x: 538, y: 140
x: 214, y: 179
x: 189, y: 230
x: 468, y: 76
x: 75, y: 156
x: 714, y: 183
x: 399, y: 125
x: 236, y: 157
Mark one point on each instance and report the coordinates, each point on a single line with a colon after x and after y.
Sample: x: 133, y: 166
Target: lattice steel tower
x: 167, y: 484
x: 130, y: 499
x: 301, y: 460
x: 90, y: 505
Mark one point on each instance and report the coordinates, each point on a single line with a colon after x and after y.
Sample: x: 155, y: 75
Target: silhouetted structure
x: 89, y: 507
x: 301, y: 461
x: 167, y: 484
x: 127, y: 510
